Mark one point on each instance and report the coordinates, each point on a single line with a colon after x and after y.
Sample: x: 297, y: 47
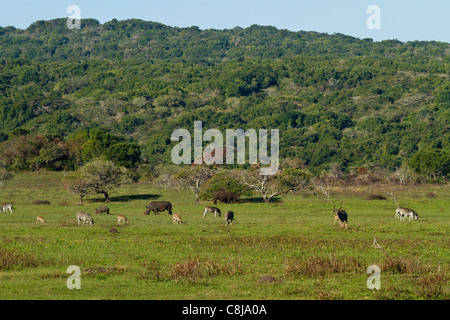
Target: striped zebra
x: 7, y: 207
x: 85, y: 217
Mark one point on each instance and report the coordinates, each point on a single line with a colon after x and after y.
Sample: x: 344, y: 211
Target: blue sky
x: 405, y: 20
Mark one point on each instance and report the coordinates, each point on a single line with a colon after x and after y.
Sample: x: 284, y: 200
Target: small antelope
x: 83, y: 216
x: 7, y: 207
x: 122, y: 219
x: 229, y: 217
x: 176, y: 218
x: 40, y: 219
x: 341, y: 216
x: 212, y: 209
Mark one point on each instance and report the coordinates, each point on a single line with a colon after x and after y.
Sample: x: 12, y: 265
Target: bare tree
x: 268, y: 186
x: 262, y: 184
x: 325, y: 182
x: 76, y: 183
x: 405, y: 175
x: 326, y: 190
x: 166, y: 181
x: 194, y: 177
x: 167, y: 178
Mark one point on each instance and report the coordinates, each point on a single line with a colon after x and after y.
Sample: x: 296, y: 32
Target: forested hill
x: 338, y: 101
x: 155, y: 42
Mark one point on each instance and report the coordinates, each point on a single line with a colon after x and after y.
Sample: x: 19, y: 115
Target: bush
x: 4, y: 176
x: 226, y: 182
x: 432, y: 162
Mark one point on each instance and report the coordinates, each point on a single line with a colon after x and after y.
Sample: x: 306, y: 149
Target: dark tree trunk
x: 106, y: 196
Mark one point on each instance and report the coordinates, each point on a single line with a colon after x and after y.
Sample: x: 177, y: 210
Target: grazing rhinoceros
x: 225, y: 196
x: 101, y: 210
x: 158, y: 206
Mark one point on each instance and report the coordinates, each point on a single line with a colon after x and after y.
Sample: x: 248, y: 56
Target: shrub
x: 319, y: 266
x: 224, y: 181
x: 11, y: 259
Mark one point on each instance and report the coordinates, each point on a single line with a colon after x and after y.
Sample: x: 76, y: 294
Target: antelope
x: 401, y: 212
x: 176, y: 218
x: 212, y: 209
x: 229, y: 217
x: 83, y: 216
x: 40, y: 219
x: 6, y: 207
x: 341, y: 216
x: 122, y: 219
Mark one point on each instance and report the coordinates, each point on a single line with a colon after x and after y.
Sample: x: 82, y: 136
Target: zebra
x: 403, y: 212
x: 212, y: 209
x: 7, y: 207
x: 83, y: 216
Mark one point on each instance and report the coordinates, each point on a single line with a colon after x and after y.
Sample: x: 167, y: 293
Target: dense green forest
x: 119, y: 89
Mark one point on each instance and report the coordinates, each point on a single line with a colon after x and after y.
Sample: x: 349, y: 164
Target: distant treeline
x: 121, y: 88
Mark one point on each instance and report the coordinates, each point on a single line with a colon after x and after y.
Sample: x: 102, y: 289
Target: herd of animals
x: 227, y: 197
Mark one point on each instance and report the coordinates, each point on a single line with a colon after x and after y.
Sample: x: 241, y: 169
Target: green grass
x: 293, y: 240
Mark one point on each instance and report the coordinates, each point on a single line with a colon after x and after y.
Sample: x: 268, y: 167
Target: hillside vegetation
x: 119, y: 89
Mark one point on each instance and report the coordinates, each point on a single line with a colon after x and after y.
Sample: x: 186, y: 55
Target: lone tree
x: 77, y: 183
x: 293, y: 179
x: 269, y: 186
x: 98, y: 176
x: 194, y: 178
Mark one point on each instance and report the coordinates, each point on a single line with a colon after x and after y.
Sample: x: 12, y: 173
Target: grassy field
x: 293, y: 240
